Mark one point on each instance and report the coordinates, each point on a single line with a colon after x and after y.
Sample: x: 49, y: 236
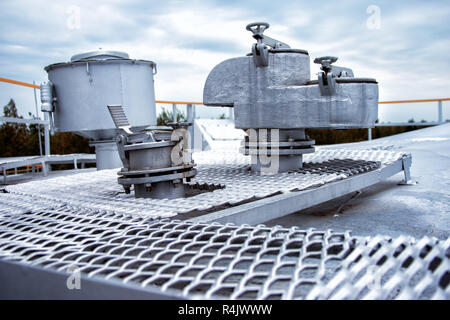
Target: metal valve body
x: 271, y: 88
x: 156, y: 161
x: 150, y: 168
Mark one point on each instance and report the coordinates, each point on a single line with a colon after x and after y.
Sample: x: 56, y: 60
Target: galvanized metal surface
x: 288, y: 146
x: 387, y: 208
x: 106, y: 154
x: 100, y: 55
x: 224, y: 261
x: 272, y: 89
x: 156, y: 162
x: 23, y: 281
x: 287, y: 106
x: 87, y: 84
x: 276, y: 206
x: 84, y: 221
x: 226, y: 174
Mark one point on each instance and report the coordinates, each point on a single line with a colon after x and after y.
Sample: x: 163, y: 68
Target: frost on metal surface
x: 99, y: 191
x: 227, y: 261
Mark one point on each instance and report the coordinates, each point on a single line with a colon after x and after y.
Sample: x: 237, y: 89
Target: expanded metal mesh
x: 227, y: 176
x: 227, y: 261
x: 86, y: 221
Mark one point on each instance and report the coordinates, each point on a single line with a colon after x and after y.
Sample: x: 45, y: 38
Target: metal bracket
x: 260, y: 50
x: 406, y: 166
x: 327, y: 83
x: 155, y: 70
x: 327, y: 78
x: 121, y: 141
x: 120, y: 119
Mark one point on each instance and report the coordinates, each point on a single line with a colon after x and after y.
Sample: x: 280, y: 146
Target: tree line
x: 19, y: 139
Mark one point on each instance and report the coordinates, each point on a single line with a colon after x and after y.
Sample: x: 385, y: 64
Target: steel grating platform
x: 224, y: 181
x: 187, y: 260
x: 127, y: 247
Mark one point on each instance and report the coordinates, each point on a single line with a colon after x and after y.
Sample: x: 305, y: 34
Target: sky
x: 403, y: 44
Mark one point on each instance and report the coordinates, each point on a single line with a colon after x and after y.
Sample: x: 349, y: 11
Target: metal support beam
x: 24, y: 281
x: 406, y: 124
x: 47, y: 134
x: 440, y: 118
x: 174, y: 112
x: 26, y: 121
x: 406, y: 166
x: 37, y: 116
x: 277, y: 206
x: 190, y: 119
x: 45, y: 168
x: 369, y: 134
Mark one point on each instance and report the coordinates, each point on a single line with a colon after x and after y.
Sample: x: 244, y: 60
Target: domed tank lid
x: 99, y: 55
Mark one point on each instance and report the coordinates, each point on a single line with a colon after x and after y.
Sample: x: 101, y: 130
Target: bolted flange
x: 273, y: 151
x: 155, y: 162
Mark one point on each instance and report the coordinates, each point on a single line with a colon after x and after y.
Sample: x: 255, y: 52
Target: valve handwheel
x: 257, y: 28
x: 325, y: 62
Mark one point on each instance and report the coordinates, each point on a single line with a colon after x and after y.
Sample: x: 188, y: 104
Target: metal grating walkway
x: 227, y: 261
x: 226, y: 175
x: 85, y: 221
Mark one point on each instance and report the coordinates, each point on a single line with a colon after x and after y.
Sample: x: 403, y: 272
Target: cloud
x: 408, y: 55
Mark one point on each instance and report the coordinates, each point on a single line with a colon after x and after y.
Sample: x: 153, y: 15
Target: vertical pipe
x: 37, y: 116
x: 47, y: 134
x: 190, y: 119
x: 189, y: 112
x: 440, y: 118
x: 45, y: 168
x: 174, y: 112
x: 369, y: 134
x: 194, y: 115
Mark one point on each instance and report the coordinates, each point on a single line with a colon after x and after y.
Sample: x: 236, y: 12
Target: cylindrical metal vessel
x: 86, y: 85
